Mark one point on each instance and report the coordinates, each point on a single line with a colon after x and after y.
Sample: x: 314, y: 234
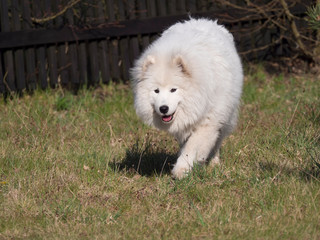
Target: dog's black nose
x: 164, y: 109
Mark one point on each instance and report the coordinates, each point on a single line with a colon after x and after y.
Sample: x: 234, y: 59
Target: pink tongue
x: 167, y: 118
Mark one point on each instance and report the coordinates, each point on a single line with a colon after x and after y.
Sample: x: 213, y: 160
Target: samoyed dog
x: 189, y: 83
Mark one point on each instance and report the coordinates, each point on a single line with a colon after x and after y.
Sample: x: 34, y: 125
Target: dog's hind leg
x: 225, y: 131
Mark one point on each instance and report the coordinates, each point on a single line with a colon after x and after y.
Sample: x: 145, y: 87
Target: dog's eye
x: 157, y: 90
x: 173, y: 90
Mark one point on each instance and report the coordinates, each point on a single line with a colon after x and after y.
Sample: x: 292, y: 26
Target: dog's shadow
x: 146, y: 160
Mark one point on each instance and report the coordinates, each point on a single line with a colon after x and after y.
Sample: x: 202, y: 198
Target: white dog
x: 189, y: 83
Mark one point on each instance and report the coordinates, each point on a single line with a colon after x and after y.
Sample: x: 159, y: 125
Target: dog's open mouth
x: 167, y: 118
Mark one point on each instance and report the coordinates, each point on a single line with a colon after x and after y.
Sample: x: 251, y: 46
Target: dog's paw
x: 180, y: 171
x: 214, y: 161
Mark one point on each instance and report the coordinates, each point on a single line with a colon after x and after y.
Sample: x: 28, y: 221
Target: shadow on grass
x: 308, y: 173
x: 313, y: 168
x: 146, y: 160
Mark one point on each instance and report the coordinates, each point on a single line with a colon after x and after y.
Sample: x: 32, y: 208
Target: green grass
x: 85, y: 167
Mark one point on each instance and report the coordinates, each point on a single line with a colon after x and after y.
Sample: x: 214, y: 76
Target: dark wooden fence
x: 74, y: 43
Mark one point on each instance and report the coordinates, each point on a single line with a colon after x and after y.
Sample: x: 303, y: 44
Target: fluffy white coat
x: 189, y: 83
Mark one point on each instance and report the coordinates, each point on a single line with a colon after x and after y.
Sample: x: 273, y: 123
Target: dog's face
x: 166, y: 86
x: 165, y: 101
x: 160, y: 88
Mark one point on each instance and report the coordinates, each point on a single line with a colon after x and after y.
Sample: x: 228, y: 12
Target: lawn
x: 85, y: 167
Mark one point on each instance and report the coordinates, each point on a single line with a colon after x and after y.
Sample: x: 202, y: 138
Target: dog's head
x: 159, y: 86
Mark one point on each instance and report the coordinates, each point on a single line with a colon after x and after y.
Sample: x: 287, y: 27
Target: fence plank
x: 41, y: 61
x: 83, y: 72
x: 134, y: 50
x: 82, y: 56
x: 191, y: 6
x: 113, y: 43
x: 172, y: 7
x: 142, y: 7
x: 102, y: 47
x: 152, y: 10
x: 2, y: 87
x: 162, y: 8
x: 124, y: 46
x: 62, y: 56
x: 41, y: 65
x: 73, y: 56
x: 18, y: 54
x: 93, y: 71
x: 204, y: 5
x: 29, y: 53
x: 181, y: 6
x: 8, y: 77
x: 51, y: 51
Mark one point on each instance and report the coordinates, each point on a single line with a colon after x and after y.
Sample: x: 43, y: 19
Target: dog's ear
x: 149, y: 60
x: 180, y: 63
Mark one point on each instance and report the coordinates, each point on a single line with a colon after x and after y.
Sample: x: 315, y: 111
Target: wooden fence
x: 85, y: 42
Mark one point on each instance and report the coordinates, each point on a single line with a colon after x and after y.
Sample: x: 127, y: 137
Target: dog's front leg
x: 196, y: 149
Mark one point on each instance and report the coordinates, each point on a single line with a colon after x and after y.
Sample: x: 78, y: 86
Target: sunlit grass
x: 85, y: 167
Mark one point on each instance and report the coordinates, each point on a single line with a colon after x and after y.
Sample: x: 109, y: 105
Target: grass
x: 85, y: 167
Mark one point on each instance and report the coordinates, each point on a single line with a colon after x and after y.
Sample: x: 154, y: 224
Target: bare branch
x: 52, y: 17
x: 294, y: 29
